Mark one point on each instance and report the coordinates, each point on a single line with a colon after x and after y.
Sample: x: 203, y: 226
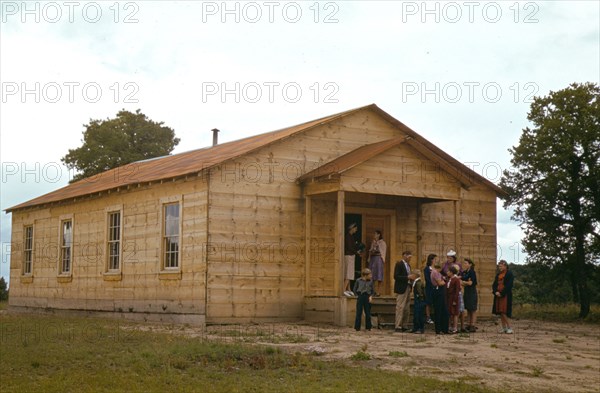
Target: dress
x: 452, y: 291
x: 440, y: 312
x: 377, y: 257
x: 470, y: 291
x: 503, y: 283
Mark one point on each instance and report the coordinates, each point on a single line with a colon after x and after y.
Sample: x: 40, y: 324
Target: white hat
x: 451, y: 253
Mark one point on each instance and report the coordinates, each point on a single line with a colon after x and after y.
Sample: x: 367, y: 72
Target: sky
x: 461, y: 74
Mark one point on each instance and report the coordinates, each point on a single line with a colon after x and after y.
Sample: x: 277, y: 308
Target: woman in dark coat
x: 502, y: 289
x: 469, y: 282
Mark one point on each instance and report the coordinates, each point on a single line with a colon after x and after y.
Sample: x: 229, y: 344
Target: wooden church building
x: 251, y: 230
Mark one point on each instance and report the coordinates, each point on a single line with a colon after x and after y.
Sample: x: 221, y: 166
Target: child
x: 363, y: 288
x: 452, y: 298
x: 419, y: 309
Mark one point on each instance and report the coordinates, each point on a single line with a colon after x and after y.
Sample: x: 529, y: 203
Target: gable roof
x: 351, y: 159
x: 195, y: 161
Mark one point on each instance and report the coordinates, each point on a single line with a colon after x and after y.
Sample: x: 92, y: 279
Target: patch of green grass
x: 537, y: 371
x: 3, y: 304
x: 556, y: 312
x: 55, y: 353
x: 493, y: 345
x: 360, y: 356
x: 559, y: 340
x: 398, y: 354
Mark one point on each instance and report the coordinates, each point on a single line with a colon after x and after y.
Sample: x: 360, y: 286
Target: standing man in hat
x: 350, y: 251
x: 402, y: 280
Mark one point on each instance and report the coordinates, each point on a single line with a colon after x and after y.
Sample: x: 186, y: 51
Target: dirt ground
x: 539, y: 356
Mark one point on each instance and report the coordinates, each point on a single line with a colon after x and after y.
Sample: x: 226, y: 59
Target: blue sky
x: 461, y: 74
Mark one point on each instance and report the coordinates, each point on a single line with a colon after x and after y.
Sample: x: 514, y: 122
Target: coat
x: 400, y: 277
x: 508, y: 285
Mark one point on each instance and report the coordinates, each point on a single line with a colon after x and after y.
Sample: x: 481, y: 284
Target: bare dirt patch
x: 539, y: 356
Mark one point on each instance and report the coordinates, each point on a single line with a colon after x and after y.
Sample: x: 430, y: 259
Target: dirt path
x: 540, y: 356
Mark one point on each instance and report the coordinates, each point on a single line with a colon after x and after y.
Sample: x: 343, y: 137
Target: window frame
x: 110, y: 240
x: 61, y: 247
x: 28, y: 251
x: 164, y: 249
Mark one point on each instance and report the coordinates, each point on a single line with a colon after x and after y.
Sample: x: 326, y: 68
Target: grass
x: 556, y: 312
x: 559, y: 340
x: 398, y: 354
x: 46, y: 353
x: 537, y: 371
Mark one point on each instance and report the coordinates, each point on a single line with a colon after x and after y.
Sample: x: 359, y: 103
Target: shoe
x: 464, y: 330
x: 429, y: 321
x: 472, y: 329
x: 454, y: 331
x: 509, y: 331
x: 503, y: 330
x: 348, y: 293
x: 377, y: 294
x: 417, y: 332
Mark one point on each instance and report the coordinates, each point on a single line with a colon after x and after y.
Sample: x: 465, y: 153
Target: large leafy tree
x: 114, y: 142
x: 554, y: 184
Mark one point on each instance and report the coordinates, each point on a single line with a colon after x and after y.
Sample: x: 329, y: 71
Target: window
x: 27, y: 249
x: 171, y: 236
x: 114, y: 241
x: 66, y: 246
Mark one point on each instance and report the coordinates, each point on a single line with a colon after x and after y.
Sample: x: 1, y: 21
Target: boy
x: 363, y: 288
x: 419, y: 309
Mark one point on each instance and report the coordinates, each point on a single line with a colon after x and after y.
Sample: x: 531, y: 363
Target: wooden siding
x: 139, y: 287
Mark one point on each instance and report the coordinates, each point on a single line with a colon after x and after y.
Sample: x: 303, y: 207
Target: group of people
x: 445, y: 291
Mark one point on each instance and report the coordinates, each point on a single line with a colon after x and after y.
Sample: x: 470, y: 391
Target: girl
x: 431, y: 259
x: 377, y: 260
x: 469, y: 282
x: 502, y: 288
x: 452, y: 297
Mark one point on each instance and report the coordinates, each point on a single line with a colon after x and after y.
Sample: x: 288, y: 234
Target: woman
x: 502, y: 289
x: 377, y: 260
x: 431, y: 259
x: 440, y: 312
x: 469, y: 283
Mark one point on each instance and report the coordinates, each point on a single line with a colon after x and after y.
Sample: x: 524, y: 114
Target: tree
x: 3, y: 289
x: 555, y: 184
x: 114, y: 142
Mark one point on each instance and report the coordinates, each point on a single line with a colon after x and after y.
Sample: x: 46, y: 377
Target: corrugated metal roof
x: 177, y: 165
x: 195, y: 161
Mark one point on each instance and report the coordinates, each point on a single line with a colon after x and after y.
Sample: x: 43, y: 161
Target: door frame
x: 392, y: 241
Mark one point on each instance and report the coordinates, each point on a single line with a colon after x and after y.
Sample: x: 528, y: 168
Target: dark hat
x: 353, y: 225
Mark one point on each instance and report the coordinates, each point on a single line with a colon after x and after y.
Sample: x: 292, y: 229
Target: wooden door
x: 375, y: 222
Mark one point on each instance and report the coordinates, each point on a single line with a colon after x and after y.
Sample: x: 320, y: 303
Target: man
x: 402, y: 280
x: 350, y: 251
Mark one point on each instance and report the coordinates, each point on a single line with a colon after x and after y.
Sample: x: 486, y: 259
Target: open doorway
x: 358, y: 236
